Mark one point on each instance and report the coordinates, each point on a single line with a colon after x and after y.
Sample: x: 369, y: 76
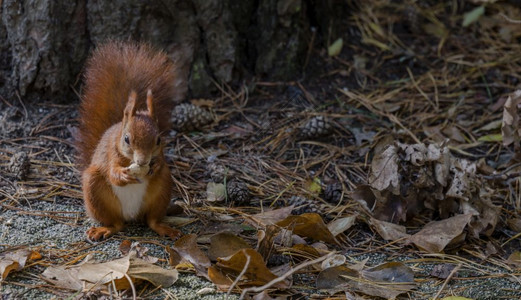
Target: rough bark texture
x: 44, y: 43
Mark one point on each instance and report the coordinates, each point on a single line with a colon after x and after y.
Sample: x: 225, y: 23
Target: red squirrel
x: 124, y: 110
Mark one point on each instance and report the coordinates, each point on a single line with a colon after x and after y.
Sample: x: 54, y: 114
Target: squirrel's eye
x: 127, y: 139
x: 158, y: 140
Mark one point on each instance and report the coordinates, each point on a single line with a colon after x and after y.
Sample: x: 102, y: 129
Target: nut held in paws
x: 137, y: 170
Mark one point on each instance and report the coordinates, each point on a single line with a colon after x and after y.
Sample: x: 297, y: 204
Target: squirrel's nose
x: 140, y: 159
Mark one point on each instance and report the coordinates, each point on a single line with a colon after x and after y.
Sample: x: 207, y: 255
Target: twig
x: 134, y: 297
x: 246, y: 265
x: 509, y: 19
x: 284, y: 276
x: 456, y: 269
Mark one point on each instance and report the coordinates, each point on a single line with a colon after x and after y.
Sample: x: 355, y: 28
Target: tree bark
x: 44, y: 43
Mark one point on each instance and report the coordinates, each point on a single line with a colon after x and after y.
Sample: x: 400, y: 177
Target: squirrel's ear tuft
x: 130, y: 109
x: 150, y: 104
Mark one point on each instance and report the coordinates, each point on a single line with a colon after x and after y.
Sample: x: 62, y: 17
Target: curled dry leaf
x: 384, y: 170
x: 225, y: 244
x: 301, y: 250
x: 338, y: 226
x: 265, y: 241
x: 333, y: 261
x: 136, y: 250
x: 16, y: 260
x: 248, y: 260
x: 387, y: 280
x: 270, y: 217
x: 510, y: 128
x: 186, y: 249
x: 436, y: 235
x: 309, y: 225
x: 363, y: 194
x: 515, y: 259
x: 389, y: 231
x: 125, y: 246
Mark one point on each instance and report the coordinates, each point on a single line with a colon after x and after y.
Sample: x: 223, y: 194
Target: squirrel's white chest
x: 131, y: 198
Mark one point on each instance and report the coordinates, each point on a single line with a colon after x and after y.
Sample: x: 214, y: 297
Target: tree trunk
x: 44, y: 43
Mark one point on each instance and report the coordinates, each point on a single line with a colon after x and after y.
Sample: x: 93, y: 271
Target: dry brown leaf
x: 265, y: 239
x: 99, y: 274
x: 333, y: 261
x: 510, y: 128
x: 514, y: 224
x: 340, y: 225
x: 144, y: 270
x: 102, y: 273
x: 16, y: 260
x: 334, y: 279
x: 487, y: 216
x: 219, y: 279
x: 302, y: 249
x: 63, y: 277
x: 389, y: 231
x: 186, y: 248
x: 363, y: 194
x: 270, y: 217
x: 442, y: 271
x: 384, y: 171
x: 125, y: 247
x: 225, y: 244
x: 463, y: 171
x: 515, y: 259
x: 309, y: 225
x: 436, y: 235
x: 386, y: 280
x: 256, y: 273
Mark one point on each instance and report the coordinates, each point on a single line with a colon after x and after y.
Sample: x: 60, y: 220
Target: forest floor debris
x: 385, y: 172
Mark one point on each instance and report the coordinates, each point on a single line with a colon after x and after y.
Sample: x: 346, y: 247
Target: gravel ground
x: 47, y: 234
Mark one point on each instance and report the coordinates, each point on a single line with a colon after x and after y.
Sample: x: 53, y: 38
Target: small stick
x: 246, y: 265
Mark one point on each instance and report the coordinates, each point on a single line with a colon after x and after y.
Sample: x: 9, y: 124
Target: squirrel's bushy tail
x: 112, y: 72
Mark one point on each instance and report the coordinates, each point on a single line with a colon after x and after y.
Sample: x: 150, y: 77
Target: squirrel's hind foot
x: 164, y: 230
x: 100, y: 233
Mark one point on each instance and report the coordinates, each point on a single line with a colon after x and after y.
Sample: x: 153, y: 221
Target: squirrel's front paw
x: 123, y: 177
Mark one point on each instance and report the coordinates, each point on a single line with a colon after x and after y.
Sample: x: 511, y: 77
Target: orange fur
x: 119, y: 127
x: 112, y: 72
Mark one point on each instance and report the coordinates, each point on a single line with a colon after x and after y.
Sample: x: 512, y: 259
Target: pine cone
x: 316, y: 127
x: 217, y: 172
x: 304, y: 205
x: 333, y: 192
x: 188, y: 117
x: 278, y: 259
x: 19, y: 165
x: 238, y: 192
